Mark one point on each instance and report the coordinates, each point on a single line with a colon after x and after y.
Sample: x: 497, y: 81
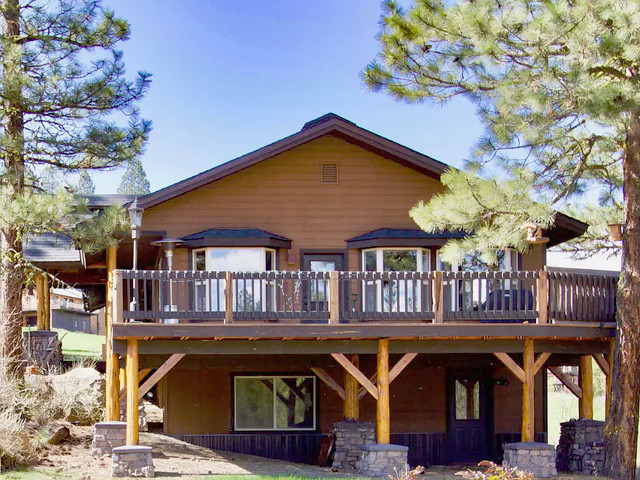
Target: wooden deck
x: 357, y: 297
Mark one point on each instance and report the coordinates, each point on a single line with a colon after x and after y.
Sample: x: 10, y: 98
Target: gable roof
x: 329, y: 124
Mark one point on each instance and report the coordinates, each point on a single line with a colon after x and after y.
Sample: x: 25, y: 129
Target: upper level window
x: 396, y: 260
x: 250, y: 259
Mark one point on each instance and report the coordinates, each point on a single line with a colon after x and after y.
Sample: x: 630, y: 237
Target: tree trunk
x: 11, y: 266
x: 621, y: 430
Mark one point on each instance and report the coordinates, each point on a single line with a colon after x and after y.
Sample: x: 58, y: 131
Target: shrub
x: 496, y: 472
x: 15, y: 446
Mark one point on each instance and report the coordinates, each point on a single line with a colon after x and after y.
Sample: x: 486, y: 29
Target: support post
x: 112, y: 373
x: 586, y: 384
x: 40, y: 324
x: 351, y: 389
x: 47, y: 301
x: 609, y: 378
x: 334, y: 297
x: 542, y: 301
x: 228, y: 297
x: 528, y: 402
x: 132, y: 391
x: 383, y: 413
x: 438, y: 297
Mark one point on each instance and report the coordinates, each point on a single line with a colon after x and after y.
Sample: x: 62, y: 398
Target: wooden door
x: 469, y: 407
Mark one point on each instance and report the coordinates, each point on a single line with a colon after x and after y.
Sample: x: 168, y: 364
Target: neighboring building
x: 268, y: 345
x: 68, y: 311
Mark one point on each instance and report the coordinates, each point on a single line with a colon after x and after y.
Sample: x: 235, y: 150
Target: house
x: 301, y: 293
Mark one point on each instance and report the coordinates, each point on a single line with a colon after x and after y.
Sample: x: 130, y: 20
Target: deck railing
x: 353, y: 297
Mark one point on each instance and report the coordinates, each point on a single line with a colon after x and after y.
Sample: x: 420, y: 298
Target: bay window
x: 249, y: 294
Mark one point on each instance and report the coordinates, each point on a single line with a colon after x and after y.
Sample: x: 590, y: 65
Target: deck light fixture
x: 135, y: 219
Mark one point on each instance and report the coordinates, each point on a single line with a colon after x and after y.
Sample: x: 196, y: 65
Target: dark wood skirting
x: 424, y: 448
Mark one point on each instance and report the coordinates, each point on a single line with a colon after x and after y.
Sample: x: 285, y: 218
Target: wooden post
x: 228, y: 297
x: 351, y: 392
x: 609, y: 378
x: 383, y: 413
x: 528, y: 391
x: 334, y: 298
x: 123, y: 382
x: 438, y: 297
x: 112, y: 310
x: 40, y: 324
x: 542, y: 301
x: 586, y: 384
x: 46, y: 288
x: 132, y: 391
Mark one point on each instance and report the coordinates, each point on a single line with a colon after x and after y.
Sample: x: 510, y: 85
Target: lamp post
x: 169, y: 245
x: 135, y: 219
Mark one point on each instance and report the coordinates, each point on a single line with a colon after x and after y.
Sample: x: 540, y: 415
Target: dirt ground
x: 173, y: 459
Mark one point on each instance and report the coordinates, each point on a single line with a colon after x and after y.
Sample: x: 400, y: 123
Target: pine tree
x: 85, y: 184
x: 134, y: 179
x: 556, y: 85
x: 62, y: 80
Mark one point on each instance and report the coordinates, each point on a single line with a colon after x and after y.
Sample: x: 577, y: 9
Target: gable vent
x: 329, y: 173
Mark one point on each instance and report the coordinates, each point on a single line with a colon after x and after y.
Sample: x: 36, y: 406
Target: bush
x: 496, y: 472
x: 15, y: 446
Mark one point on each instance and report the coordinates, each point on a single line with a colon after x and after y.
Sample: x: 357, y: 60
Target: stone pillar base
x: 108, y: 435
x: 132, y: 461
x: 350, y: 436
x: 581, y: 447
x: 535, y: 457
x: 383, y: 460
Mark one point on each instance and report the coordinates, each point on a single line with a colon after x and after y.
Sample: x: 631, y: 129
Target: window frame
x: 263, y: 260
x: 420, y: 257
x: 274, y: 378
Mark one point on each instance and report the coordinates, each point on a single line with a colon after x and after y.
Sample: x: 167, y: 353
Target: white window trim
x: 274, y: 378
x: 380, y: 257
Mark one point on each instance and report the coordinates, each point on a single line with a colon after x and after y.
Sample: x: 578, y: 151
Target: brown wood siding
x: 284, y: 195
x: 199, y: 393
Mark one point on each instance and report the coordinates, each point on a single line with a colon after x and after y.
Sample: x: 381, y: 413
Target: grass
x: 78, y: 346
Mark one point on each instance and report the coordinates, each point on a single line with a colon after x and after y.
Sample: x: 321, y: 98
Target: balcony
x: 387, y: 298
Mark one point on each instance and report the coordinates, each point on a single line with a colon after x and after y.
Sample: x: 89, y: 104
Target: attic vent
x: 329, y: 173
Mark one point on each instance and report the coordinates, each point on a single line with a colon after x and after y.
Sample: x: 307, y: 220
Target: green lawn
x: 78, y: 346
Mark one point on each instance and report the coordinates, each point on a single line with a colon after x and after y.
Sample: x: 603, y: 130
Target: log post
x: 542, y: 300
x: 438, y: 297
x: 132, y: 391
x: 112, y: 374
x: 383, y: 413
x: 334, y: 297
x: 40, y: 323
x: 228, y: 297
x: 47, y: 301
x: 351, y: 392
x: 528, y: 391
x: 586, y: 384
x: 609, y: 378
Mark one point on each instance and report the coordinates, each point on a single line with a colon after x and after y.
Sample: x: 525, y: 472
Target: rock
x: 58, y: 433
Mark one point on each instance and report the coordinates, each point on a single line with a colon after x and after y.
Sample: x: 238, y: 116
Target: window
x: 395, y: 295
x: 250, y: 294
x: 273, y: 402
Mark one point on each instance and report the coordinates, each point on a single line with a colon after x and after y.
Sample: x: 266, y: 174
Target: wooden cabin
x: 301, y: 293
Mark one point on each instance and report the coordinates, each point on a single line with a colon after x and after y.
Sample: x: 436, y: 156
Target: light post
x: 135, y: 219
x: 169, y: 245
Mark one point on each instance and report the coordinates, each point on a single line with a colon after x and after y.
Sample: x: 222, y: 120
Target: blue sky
x: 233, y: 76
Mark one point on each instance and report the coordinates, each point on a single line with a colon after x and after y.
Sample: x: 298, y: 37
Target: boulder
x: 58, y: 433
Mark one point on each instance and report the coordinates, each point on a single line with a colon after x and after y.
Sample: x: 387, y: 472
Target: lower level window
x: 274, y: 403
